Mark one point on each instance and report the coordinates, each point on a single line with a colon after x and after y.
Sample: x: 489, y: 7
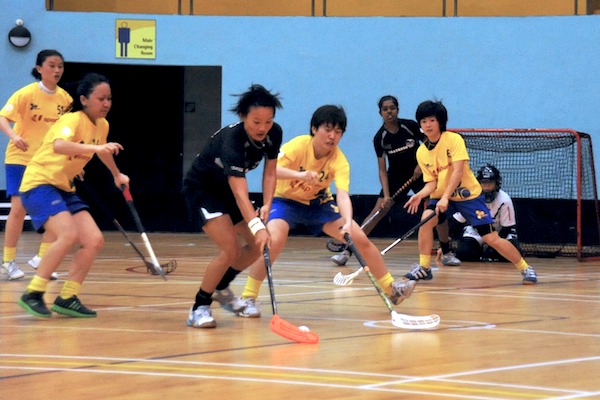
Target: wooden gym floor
x: 498, y: 339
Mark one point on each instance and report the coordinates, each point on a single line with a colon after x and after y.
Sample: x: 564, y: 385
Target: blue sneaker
x: 529, y: 276
x: 419, y: 273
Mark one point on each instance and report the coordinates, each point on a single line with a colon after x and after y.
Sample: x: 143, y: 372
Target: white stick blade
x: 415, y: 322
x: 345, y: 280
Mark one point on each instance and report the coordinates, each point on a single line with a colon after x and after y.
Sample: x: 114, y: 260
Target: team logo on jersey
x: 481, y: 214
x: 33, y: 106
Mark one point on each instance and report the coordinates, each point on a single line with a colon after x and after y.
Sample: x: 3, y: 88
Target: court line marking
x: 381, y: 386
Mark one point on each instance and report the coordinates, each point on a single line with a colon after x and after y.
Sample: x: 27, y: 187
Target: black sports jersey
x: 230, y: 152
x: 400, y: 147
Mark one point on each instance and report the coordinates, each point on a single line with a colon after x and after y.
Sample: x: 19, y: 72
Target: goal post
x: 550, y: 175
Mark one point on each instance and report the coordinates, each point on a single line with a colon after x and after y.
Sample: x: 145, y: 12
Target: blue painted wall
x: 534, y: 72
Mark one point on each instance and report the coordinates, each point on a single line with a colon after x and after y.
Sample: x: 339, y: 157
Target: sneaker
x: 449, y: 259
x: 342, y: 258
x: 35, y: 262
x: 419, y: 273
x: 401, y: 290
x: 246, y: 308
x: 335, y: 247
x: 225, y: 297
x: 12, y: 271
x: 529, y: 276
x: 34, y: 304
x: 72, y: 307
x: 201, y: 317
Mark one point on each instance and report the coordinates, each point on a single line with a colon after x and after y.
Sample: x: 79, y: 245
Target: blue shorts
x: 475, y: 210
x: 44, y: 201
x: 312, y: 217
x: 14, y: 176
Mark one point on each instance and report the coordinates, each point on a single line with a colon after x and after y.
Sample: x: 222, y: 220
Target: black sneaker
x: 419, y: 273
x: 73, y: 307
x: 34, y: 304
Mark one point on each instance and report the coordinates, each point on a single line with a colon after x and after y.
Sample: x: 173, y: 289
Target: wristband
x: 256, y: 225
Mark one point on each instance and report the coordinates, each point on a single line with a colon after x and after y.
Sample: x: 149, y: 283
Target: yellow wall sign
x: 135, y: 38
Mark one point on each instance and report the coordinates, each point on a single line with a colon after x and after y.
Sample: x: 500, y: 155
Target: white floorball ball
x: 304, y: 328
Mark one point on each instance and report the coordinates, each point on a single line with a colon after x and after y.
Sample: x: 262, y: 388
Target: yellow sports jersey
x: 33, y: 111
x: 437, y: 164
x: 50, y: 168
x: 298, y: 154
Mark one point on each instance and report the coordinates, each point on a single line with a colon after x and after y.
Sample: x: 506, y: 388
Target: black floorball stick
x: 398, y: 320
x: 138, y: 223
x: 345, y: 280
x: 368, y: 225
x: 167, y: 267
x: 279, y: 325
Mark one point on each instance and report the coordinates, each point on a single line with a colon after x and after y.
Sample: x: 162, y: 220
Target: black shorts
x: 202, y: 205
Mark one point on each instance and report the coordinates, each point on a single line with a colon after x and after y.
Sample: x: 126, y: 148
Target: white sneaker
x: 401, y: 290
x: 246, y: 308
x: 12, y: 270
x: 35, y: 262
x: 342, y: 258
x: 450, y: 260
x: 201, y: 317
x: 225, y: 297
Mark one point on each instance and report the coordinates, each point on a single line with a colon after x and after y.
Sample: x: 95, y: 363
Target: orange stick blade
x: 292, y: 332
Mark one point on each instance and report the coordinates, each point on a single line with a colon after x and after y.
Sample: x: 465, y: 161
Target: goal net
x: 550, y: 175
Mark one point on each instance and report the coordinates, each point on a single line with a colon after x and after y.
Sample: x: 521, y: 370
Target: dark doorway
x: 150, y: 117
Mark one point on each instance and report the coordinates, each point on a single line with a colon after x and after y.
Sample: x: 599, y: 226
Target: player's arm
x: 344, y: 203
x: 6, y: 127
x: 383, y: 178
x: 269, y: 183
x: 412, y: 205
x: 458, y: 167
x: 307, y: 176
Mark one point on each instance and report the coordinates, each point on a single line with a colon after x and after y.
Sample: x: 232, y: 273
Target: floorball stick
x: 279, y: 325
x: 167, y: 267
x: 398, y: 320
x: 407, y: 234
x: 138, y: 223
x: 345, y: 280
x: 368, y: 225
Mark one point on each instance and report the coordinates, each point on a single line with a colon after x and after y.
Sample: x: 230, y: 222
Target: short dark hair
x: 329, y: 114
x: 436, y: 109
x: 256, y: 96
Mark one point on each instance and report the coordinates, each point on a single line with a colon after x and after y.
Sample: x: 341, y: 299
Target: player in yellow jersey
x: 25, y: 119
x: 306, y: 168
x: 452, y: 187
x: 48, y: 194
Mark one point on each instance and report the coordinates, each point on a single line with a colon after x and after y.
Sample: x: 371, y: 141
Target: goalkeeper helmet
x: 490, y: 173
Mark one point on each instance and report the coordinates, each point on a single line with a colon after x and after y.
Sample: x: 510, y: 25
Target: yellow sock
x: 37, y: 284
x: 10, y: 253
x: 425, y: 260
x: 70, y: 289
x: 252, y: 288
x: 43, y: 247
x: 386, y: 283
x: 522, y: 264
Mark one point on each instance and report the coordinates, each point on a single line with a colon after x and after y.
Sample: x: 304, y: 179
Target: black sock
x: 445, y: 247
x: 229, y: 276
x: 202, y: 299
